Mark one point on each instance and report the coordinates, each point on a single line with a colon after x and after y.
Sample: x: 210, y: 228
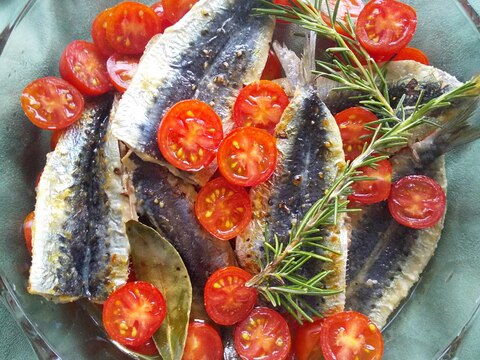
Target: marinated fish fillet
x: 80, y: 248
x: 209, y: 54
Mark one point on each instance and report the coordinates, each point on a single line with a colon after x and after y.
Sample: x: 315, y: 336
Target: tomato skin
x: 56, y: 135
x: 84, y: 67
x: 203, y: 343
x: 99, y: 33
x: 148, y: 349
x: 351, y: 7
x: 121, y: 69
x: 227, y: 299
x: 133, y: 313
x: 373, y: 191
x: 273, y: 67
x: 176, y: 9
x: 306, y: 341
x: 160, y: 11
x: 27, y: 230
x: 223, y: 209
x: 43, y: 103
x: 350, y: 335
x: 417, y: 201
x: 384, y: 27
x: 410, y: 53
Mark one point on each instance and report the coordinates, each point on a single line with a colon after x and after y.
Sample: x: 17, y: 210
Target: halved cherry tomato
x: 273, y: 67
x: 27, y: 230
x: 148, y: 349
x: 351, y: 7
x: 350, y: 335
x: 133, y: 313
x: 223, y: 209
x: 189, y: 135
x: 55, y: 137
x: 131, y: 26
x: 227, y: 299
x: 263, y: 335
x: 373, y: 191
x: 52, y: 103
x: 247, y: 156
x: 384, y: 27
x: 285, y: 3
x: 176, y: 9
x: 84, y: 67
x: 417, y: 201
x: 203, y: 343
x: 160, y: 11
x: 121, y: 69
x: 410, y: 53
x: 306, y: 341
x: 99, y: 33
x: 260, y: 104
x: 351, y: 123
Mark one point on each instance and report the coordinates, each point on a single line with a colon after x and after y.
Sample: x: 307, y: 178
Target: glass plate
x: 444, y: 299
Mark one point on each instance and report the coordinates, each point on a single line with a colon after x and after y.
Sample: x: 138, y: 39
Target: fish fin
x: 308, y: 59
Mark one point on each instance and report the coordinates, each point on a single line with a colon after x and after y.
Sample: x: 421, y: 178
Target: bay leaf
x: 156, y: 261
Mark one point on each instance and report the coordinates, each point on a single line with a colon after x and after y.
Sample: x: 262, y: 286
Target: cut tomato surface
x: 260, y: 104
x: 417, y: 201
x: 384, y: 27
x: 306, y: 341
x: 133, y: 313
x: 27, y: 230
x: 264, y: 335
x: 227, y: 299
x: 247, y: 156
x: 223, y: 209
x: 160, y: 11
x: 52, y: 103
x: 273, y: 67
x: 189, y: 135
x: 414, y: 54
x: 176, y: 9
x: 350, y: 7
x: 350, y: 335
x: 373, y: 191
x: 203, y: 343
x: 84, y: 67
x: 121, y: 69
x: 99, y: 33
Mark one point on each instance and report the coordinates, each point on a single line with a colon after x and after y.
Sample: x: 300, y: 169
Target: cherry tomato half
x: 121, y: 69
x: 247, y: 156
x: 203, y: 343
x: 260, y: 104
x: 99, y: 33
x: 351, y: 7
x: 351, y: 123
x: 306, y: 341
x: 227, y: 299
x: 160, y: 11
x: 417, y: 201
x: 264, y: 334
x: 52, y: 103
x: 273, y: 67
x: 148, y: 349
x: 176, y: 9
x: 27, y: 230
x: 84, y: 67
x: 373, y: 191
x: 133, y: 313
x: 384, y: 27
x: 350, y: 335
x: 414, y: 54
x: 56, y: 135
x: 189, y: 135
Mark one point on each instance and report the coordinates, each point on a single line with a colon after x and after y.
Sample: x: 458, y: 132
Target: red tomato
x: 351, y: 123
x: 148, y: 349
x: 373, y: 191
x: 223, y: 209
x: 351, y: 7
x: 99, y: 33
x: 131, y: 26
x: 52, y: 103
x: 350, y: 335
x: 260, y: 104
x: 189, y: 135
x: 27, y: 230
x: 55, y: 137
x: 263, y: 335
x: 203, y: 343
x: 37, y: 180
x: 306, y: 341
x: 176, y: 9
x: 84, y: 67
x: 414, y: 54
x: 384, y: 27
x: 417, y: 201
x: 247, y: 156
x: 227, y: 299
x: 121, y: 69
x: 133, y: 313
x: 286, y: 2
x: 159, y: 10
x: 273, y: 67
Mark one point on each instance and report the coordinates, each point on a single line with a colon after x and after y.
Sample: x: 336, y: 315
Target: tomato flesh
x: 99, y: 33
x: 203, y: 343
x: 27, y: 230
x: 306, y: 341
x: 350, y: 7
x: 189, y: 135
x: 223, y: 209
x: 121, y: 69
x: 260, y: 104
x: 373, y: 191
x: 384, y: 27
x: 176, y: 9
x: 227, y: 299
x: 273, y: 67
x: 160, y: 11
x: 52, y: 103
x: 417, y: 201
x: 133, y: 313
x: 350, y: 335
x: 414, y: 54
x: 264, y: 335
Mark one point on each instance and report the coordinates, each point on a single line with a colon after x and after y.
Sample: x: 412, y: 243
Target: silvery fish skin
x: 80, y: 248
x: 167, y: 201
x: 208, y: 55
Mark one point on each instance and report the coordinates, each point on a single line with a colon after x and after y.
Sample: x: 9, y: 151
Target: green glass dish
x: 433, y: 316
